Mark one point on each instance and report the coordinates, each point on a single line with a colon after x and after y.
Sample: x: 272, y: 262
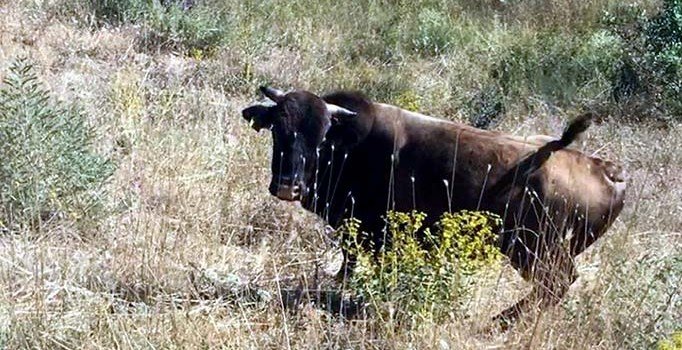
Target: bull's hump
x: 414, y: 116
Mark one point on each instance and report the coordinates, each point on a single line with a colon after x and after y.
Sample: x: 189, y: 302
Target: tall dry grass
x: 193, y: 251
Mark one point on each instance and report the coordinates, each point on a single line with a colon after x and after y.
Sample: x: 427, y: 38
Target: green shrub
x: 486, y: 108
x: 650, y: 74
x: 675, y: 342
x: 376, y: 37
x: 434, y: 32
x: 97, y: 12
x: 117, y: 11
x: 408, y: 100
x: 423, y: 273
x: 47, y: 169
x: 664, y: 53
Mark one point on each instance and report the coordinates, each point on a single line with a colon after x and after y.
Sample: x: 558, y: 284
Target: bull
x: 342, y: 155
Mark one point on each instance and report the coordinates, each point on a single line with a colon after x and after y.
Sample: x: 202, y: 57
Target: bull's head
x: 299, y: 121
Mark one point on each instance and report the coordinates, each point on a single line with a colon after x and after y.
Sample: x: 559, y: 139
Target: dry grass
x: 190, y: 223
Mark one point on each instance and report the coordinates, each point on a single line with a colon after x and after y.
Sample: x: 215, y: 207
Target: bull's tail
x: 519, y: 174
x: 577, y: 127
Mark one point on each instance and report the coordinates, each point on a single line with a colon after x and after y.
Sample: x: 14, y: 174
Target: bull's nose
x: 288, y: 193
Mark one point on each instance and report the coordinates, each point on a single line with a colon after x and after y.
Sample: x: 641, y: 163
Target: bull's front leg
x: 370, y: 238
x: 347, y: 266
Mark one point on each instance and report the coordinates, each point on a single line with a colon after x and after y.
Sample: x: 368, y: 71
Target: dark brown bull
x: 342, y: 155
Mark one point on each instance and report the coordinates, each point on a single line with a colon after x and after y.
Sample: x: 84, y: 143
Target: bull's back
x: 442, y: 166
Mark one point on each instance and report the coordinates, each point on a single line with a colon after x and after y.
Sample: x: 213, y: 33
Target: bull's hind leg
x: 552, y: 271
x: 589, y: 228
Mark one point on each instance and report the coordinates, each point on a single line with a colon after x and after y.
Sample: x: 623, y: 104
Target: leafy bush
x: 408, y: 100
x: 116, y: 11
x: 47, y: 169
x: 486, y: 108
x: 664, y: 53
x: 434, y: 32
x: 650, y: 72
x: 675, y: 342
x: 97, y: 12
x: 423, y: 273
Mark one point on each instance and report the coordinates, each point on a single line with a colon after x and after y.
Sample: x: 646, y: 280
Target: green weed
x: 423, y: 274
x: 675, y: 342
x: 47, y: 169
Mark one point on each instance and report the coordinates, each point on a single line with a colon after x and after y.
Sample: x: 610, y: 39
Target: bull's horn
x: 339, y: 112
x: 272, y: 93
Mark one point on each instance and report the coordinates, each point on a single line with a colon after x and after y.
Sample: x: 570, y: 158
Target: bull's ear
x: 258, y: 116
x: 272, y: 93
x: 339, y: 113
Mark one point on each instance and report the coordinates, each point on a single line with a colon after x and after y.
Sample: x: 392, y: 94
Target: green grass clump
x: 197, y: 33
x: 47, y: 168
x: 655, y: 292
x: 116, y: 11
x: 557, y: 67
x: 423, y: 273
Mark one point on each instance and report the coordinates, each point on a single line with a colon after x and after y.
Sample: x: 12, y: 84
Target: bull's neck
x: 344, y: 164
x: 328, y: 187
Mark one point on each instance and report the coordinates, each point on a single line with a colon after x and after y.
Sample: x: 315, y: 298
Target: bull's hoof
x: 502, y: 323
x: 496, y: 325
x: 506, y: 319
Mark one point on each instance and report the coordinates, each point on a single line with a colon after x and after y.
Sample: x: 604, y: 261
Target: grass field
x: 186, y: 225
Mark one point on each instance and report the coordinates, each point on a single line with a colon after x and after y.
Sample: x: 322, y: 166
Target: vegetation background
x: 134, y: 207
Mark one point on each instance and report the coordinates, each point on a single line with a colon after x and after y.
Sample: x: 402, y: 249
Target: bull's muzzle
x: 285, y: 189
x: 288, y: 193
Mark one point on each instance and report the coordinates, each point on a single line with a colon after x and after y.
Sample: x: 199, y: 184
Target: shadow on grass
x: 329, y: 300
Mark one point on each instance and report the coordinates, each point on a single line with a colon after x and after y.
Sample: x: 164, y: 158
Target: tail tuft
x: 575, y: 128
